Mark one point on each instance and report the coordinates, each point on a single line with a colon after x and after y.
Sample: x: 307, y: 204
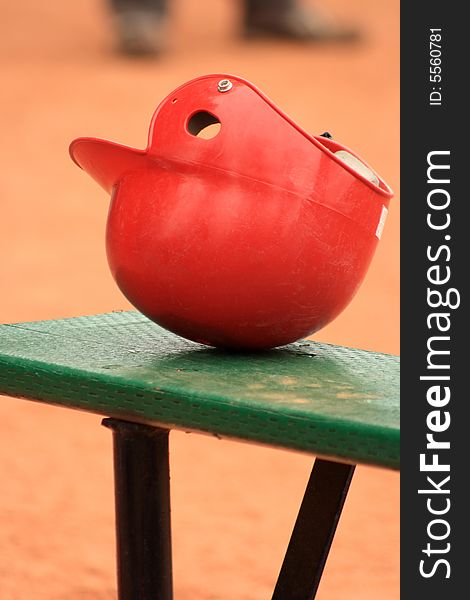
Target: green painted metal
x: 335, y: 402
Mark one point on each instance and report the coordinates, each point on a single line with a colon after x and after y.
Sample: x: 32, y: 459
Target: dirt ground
x: 233, y: 504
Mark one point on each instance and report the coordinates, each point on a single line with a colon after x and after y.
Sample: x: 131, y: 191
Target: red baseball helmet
x: 254, y: 238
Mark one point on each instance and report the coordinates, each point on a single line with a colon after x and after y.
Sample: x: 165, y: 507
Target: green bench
x: 337, y: 403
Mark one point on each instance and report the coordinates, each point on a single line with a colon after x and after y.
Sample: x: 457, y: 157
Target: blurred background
x: 234, y: 505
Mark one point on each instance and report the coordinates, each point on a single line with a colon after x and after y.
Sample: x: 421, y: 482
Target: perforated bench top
x: 335, y: 402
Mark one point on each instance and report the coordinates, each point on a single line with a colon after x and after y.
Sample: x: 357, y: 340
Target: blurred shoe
x: 140, y: 33
x: 297, y: 23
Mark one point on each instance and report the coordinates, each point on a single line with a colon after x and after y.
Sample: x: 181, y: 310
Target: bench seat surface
x: 335, y: 402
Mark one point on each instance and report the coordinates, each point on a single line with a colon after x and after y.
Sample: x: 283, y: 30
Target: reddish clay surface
x: 233, y: 504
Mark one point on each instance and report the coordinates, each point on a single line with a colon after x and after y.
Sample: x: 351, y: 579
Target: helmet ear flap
x: 105, y: 161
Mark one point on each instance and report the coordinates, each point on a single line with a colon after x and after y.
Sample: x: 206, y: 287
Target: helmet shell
x: 254, y: 238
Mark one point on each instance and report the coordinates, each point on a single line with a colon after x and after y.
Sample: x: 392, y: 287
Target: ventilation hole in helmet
x: 204, y: 125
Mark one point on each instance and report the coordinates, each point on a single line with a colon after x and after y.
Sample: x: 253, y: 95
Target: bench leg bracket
x: 314, y: 530
x: 143, y: 530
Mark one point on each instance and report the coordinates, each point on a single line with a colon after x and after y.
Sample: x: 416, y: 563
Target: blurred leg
x: 158, y: 6
x: 289, y: 19
x: 140, y: 25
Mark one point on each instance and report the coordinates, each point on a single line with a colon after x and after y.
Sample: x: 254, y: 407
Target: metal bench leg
x: 313, y: 532
x: 142, y: 494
